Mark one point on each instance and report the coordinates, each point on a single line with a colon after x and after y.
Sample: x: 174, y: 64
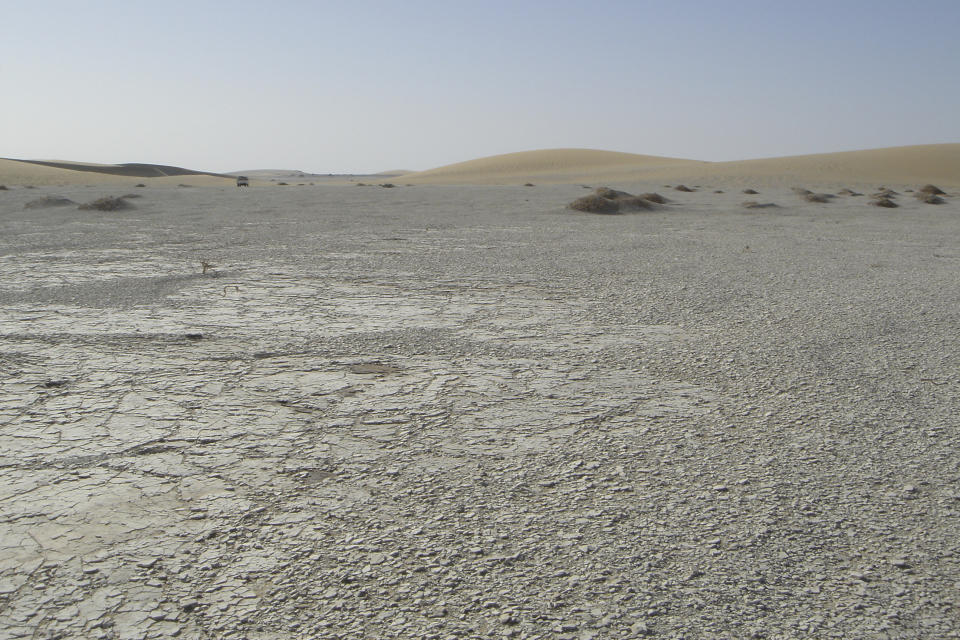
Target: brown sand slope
x: 895, y: 165
x: 32, y: 172
x: 549, y: 165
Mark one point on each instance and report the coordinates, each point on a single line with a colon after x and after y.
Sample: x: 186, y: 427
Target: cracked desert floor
x: 469, y: 412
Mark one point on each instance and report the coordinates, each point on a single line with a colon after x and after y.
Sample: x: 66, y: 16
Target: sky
x: 360, y: 86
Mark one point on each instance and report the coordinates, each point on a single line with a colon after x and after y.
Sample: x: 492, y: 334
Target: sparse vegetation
x: 388, y: 185
x: 886, y: 203
x: 529, y: 184
x: 750, y: 204
x: 655, y: 198
x: 929, y: 198
x: 107, y: 203
x: 607, y: 200
x: 140, y: 185
x: 683, y: 187
x: 751, y: 192
x: 3, y: 187
x: 849, y: 192
x: 932, y: 190
x: 595, y: 204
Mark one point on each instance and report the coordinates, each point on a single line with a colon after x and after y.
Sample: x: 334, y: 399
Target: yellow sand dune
x: 548, y: 165
x: 16, y: 172
x: 938, y: 163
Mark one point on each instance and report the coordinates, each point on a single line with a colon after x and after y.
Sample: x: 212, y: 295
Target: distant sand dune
x: 39, y: 173
x: 550, y: 165
x: 896, y: 165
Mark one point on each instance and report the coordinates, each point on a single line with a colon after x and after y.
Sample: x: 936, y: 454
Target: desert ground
x: 455, y: 410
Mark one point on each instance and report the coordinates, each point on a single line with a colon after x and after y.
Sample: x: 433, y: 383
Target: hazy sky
x: 359, y: 86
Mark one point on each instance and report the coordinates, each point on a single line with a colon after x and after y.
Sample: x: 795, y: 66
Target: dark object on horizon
x: 243, y: 181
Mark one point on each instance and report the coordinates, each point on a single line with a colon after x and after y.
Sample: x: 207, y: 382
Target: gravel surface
x: 468, y: 412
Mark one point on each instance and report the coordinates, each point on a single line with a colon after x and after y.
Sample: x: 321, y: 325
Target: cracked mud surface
x: 459, y: 412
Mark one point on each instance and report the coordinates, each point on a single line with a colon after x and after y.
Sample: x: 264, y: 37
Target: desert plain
x: 456, y: 408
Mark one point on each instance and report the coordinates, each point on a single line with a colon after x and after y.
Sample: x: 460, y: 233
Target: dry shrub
x: 930, y: 198
x: 107, y: 203
x: 719, y: 191
x: 654, y: 197
x: 849, y: 192
x: 361, y: 184
x: 140, y: 185
x: 612, y: 194
x: 885, y: 191
x: 818, y: 197
x: 529, y: 184
x: 388, y: 185
x: 282, y: 184
x: 750, y: 204
x: 886, y: 203
x: 751, y: 192
x: 3, y: 187
x: 682, y: 187
x: 48, y: 202
x: 595, y: 204
x: 132, y: 195
x: 932, y: 190
x: 634, y: 202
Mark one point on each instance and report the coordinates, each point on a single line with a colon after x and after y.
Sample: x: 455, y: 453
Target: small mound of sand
x: 818, y: 197
x: 800, y: 191
x: 849, y: 192
x: 107, y: 203
x: 683, y: 187
x: 751, y: 192
x: 750, y: 204
x: 595, y: 204
x: 886, y: 203
x: 48, y: 202
x: 932, y: 189
x: 930, y: 198
x: 885, y: 192
x: 634, y: 202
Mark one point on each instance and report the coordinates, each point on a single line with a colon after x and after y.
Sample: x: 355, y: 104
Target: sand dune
x: 550, y: 165
x: 895, y: 165
x: 39, y: 173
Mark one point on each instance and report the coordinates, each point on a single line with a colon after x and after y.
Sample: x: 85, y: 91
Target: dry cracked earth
x: 439, y: 412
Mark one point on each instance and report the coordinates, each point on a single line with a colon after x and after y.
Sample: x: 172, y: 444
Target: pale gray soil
x: 467, y: 412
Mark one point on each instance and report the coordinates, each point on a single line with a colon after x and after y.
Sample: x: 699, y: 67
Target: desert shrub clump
x: 932, y: 189
x: 594, y: 203
x: 107, y: 203
x: 886, y: 203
